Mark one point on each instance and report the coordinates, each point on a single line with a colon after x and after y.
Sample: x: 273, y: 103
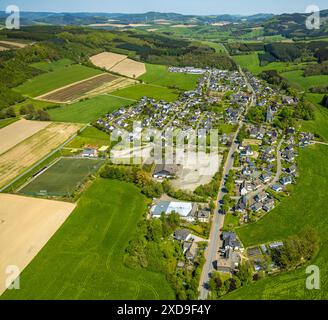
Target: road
x: 218, y: 220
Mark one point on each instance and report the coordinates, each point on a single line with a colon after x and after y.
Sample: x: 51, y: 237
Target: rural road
x: 218, y: 221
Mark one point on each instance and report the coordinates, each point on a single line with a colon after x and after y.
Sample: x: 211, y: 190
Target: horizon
x: 205, y: 8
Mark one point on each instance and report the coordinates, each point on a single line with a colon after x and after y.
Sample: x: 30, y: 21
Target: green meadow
x: 305, y: 207
x: 89, y: 110
x: 52, y: 65
x: 300, y: 82
x: 84, y: 259
x: 56, y: 79
x: 159, y: 75
x: 148, y: 90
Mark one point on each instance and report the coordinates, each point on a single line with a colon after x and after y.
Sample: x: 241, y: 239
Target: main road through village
x: 218, y: 220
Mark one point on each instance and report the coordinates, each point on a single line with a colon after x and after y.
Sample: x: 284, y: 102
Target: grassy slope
x: 52, y: 66
x: 320, y: 124
x: 252, y: 62
x: 306, y: 206
x: 84, y: 259
x: 89, y: 110
x: 304, y: 83
x: 54, y: 80
x: 159, y: 75
x: 151, y: 91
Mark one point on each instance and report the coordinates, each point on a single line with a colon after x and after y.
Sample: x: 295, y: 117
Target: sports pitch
x: 62, y: 178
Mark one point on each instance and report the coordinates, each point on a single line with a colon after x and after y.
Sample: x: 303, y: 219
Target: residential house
x: 286, y: 180
x: 182, y: 235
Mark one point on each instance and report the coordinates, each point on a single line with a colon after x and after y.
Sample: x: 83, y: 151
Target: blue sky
x: 180, y: 6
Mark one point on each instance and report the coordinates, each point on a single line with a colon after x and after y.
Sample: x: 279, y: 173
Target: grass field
x: 319, y: 125
x: 306, y: 207
x: 297, y: 80
x: 252, y: 63
x: 159, y: 75
x: 63, y: 178
x: 84, y: 259
x: 88, y: 110
x: 54, y: 80
x: 52, y: 66
x: 7, y: 122
x: 148, y: 90
x: 90, y: 136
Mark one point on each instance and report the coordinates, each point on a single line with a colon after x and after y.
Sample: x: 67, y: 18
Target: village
x: 264, y: 164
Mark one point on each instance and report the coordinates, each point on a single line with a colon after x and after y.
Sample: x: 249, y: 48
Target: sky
x: 198, y: 7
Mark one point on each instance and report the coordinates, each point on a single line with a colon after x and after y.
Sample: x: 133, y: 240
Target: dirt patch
x: 77, y: 90
x: 19, y: 131
x: 25, y: 154
x: 3, y: 49
x: 107, y: 60
x: 252, y: 142
x: 26, y: 225
x: 198, y: 169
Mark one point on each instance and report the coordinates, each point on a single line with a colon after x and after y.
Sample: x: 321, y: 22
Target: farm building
x: 165, y: 171
x: 186, y: 210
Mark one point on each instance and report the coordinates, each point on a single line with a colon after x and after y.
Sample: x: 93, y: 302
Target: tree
x: 245, y: 273
x: 10, y: 112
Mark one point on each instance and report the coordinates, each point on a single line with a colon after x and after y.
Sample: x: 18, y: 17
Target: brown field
x: 119, y: 83
x: 79, y: 89
x: 19, y: 131
x: 120, y: 64
x: 130, y: 68
x: 26, y: 225
x: 29, y: 151
x: 252, y: 142
x: 3, y: 49
x: 107, y: 60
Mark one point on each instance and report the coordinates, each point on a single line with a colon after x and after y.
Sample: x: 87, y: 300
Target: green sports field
x: 307, y: 206
x: 84, y: 259
x: 61, y: 77
x: 88, y: 111
x: 148, y: 90
x: 63, y: 178
x: 159, y: 75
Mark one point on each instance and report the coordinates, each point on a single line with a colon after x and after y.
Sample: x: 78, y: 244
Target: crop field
x: 159, y: 75
x: 59, y: 78
x: 29, y: 151
x: 119, y: 63
x: 297, y: 80
x: 62, y: 178
x: 107, y: 60
x: 27, y: 224
x: 90, y: 136
x: 85, y: 258
x: 151, y: 91
x: 77, y: 90
x: 89, y: 110
x: 19, y: 131
x: 306, y: 207
x: 53, y: 65
x: 130, y: 68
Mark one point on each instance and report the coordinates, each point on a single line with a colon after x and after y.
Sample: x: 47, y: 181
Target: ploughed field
x: 77, y: 90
